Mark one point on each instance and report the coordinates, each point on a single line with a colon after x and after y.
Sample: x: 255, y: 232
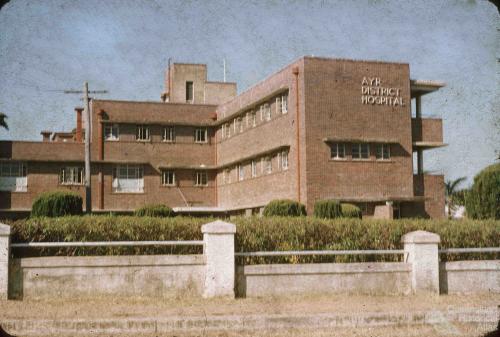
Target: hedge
x: 327, y: 209
x: 59, y: 203
x: 483, y: 199
x: 255, y: 234
x: 351, y: 211
x: 154, y: 210
x: 284, y: 207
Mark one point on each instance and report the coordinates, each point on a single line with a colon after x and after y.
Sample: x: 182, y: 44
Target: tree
x: 3, y: 122
x: 450, y: 191
x: 483, y: 200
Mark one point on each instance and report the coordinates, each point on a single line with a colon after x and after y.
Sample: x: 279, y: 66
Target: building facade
x: 317, y: 129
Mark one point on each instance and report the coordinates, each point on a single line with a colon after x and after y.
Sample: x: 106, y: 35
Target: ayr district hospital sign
x: 372, y: 92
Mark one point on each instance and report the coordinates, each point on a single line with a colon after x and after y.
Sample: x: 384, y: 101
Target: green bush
x: 284, y: 207
x: 351, y: 211
x: 327, y: 209
x: 154, y: 210
x: 59, y: 203
x: 483, y: 199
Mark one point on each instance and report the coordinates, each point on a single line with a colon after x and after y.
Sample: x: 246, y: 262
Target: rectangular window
x: 228, y: 130
x: 337, y: 151
x: 241, y: 172
x: 360, y: 151
x: 13, y: 177
x: 282, y: 104
x: 189, y: 92
x: 142, y: 133
x: 200, y: 136
x: 383, y: 152
x: 201, y: 178
x: 253, y: 118
x: 128, y: 179
x: 227, y: 176
x: 240, y: 123
x: 72, y: 175
x: 169, y: 134
x: 111, y: 132
x: 284, y: 160
x: 168, y: 178
x: 267, y: 165
x: 254, y: 168
x: 265, y: 112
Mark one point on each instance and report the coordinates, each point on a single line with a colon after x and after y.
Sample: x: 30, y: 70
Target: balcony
x: 427, y: 133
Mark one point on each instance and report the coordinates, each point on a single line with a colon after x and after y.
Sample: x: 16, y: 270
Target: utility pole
x: 86, y: 107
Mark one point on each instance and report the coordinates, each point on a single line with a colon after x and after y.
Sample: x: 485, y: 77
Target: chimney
x: 78, y: 137
x: 46, y: 135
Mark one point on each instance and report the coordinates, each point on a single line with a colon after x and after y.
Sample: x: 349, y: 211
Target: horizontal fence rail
x: 322, y: 252
x: 470, y: 250
x: 106, y: 244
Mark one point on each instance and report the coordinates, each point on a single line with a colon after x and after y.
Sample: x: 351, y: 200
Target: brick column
x: 4, y: 260
x: 421, y: 251
x: 219, y: 254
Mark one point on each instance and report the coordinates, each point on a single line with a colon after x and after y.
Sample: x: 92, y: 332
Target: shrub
x: 327, y: 209
x: 284, y: 207
x: 483, y: 199
x: 154, y: 210
x: 350, y: 211
x: 59, y: 203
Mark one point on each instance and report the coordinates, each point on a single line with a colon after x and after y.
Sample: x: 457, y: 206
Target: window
x: 228, y: 130
x: 240, y: 123
x: 383, y: 151
x: 254, y: 168
x: 128, y: 179
x: 201, y: 178
x: 169, y: 134
x: 267, y: 165
x: 189, y: 92
x: 111, y: 132
x: 265, y: 112
x: 253, y: 118
x: 13, y: 177
x: 337, y: 151
x: 142, y: 133
x: 282, y: 104
x: 168, y: 178
x: 200, y: 136
x: 360, y: 151
x: 241, y: 172
x: 284, y: 160
x: 72, y: 175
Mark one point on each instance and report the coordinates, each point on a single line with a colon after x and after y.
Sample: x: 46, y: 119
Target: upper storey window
x: 337, y: 151
x: 251, y: 119
x: 189, y: 92
x: 13, y: 177
x: 142, y: 133
x: 169, y: 134
x: 265, y: 112
x: 200, y: 136
x: 360, y: 151
x: 282, y: 104
x: 383, y: 152
x: 111, y: 132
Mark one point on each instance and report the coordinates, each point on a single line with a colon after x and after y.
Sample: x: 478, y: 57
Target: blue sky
x: 123, y: 46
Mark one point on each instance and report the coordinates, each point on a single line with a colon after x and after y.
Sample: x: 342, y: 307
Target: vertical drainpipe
x: 101, y: 157
x: 297, y: 123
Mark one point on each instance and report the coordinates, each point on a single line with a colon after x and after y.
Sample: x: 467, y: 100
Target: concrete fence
x: 214, y: 273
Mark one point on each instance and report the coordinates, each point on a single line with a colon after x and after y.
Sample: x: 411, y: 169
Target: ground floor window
x: 337, y: 151
x: 168, y: 178
x: 128, y: 179
x: 13, y: 177
x: 383, y: 152
x: 201, y: 178
x: 72, y: 175
x: 360, y: 151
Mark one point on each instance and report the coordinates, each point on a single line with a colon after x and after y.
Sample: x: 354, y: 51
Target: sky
x: 123, y: 46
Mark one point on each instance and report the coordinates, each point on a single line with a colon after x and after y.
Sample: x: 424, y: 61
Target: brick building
x: 317, y: 129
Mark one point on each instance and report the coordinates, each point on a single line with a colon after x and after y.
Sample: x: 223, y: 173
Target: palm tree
x: 450, y: 190
x: 3, y: 122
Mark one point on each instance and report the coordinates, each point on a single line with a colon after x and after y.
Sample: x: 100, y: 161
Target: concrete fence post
x: 421, y: 251
x: 218, y: 237
x: 4, y: 260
